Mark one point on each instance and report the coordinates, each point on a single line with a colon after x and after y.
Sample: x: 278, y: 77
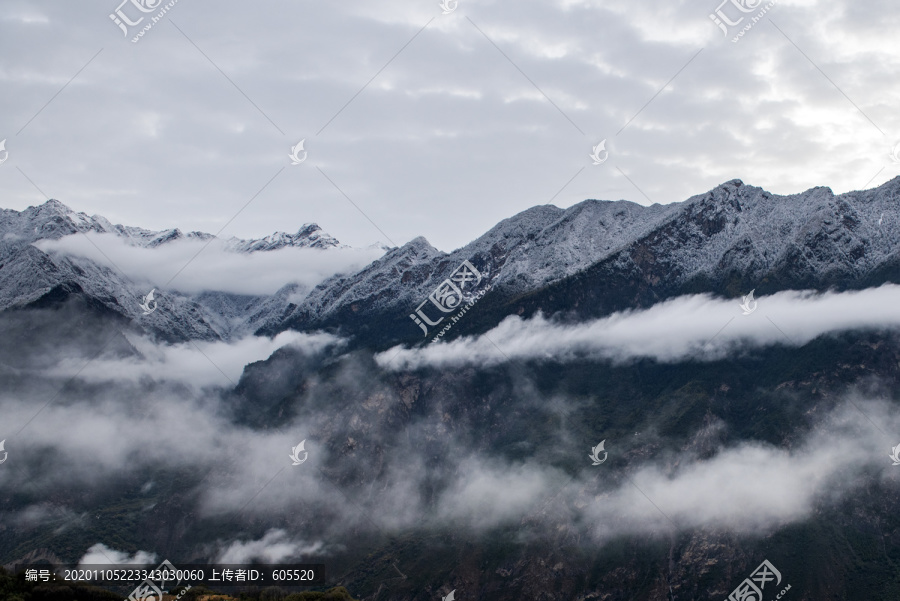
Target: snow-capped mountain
x: 394, y: 432
x: 308, y: 236
x: 590, y: 259
x: 523, y: 253
x: 600, y: 256
x: 28, y: 274
x: 53, y: 220
x: 736, y: 238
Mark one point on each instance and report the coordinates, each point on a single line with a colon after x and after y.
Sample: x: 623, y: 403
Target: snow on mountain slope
x: 744, y: 229
x: 394, y: 278
x: 813, y: 237
x: 733, y: 232
x: 53, y: 220
x: 308, y: 236
x: 28, y: 274
x: 538, y: 246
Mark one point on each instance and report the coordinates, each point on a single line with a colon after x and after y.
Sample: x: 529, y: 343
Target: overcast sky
x: 485, y: 111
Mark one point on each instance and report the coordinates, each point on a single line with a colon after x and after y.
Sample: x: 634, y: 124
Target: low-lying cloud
x: 424, y: 473
x: 196, y: 363
x: 100, y: 554
x: 747, y: 488
x: 689, y: 327
x: 277, y: 546
x: 216, y: 268
x: 751, y: 488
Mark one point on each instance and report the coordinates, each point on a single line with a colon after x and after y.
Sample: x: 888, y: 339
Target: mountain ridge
x: 53, y: 220
x: 28, y: 274
x: 614, y: 255
x: 404, y: 440
x: 601, y: 255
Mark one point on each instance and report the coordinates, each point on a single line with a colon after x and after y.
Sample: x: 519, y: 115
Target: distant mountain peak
x: 310, y: 235
x: 54, y: 204
x: 52, y: 207
x: 54, y: 219
x: 420, y: 243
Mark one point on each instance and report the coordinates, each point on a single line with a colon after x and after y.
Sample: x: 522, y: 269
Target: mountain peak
x: 310, y: 235
x: 308, y: 228
x: 727, y: 189
x: 52, y: 202
x: 51, y: 206
x: 420, y: 243
x: 415, y: 251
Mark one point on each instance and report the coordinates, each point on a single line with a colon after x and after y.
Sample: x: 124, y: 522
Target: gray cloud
x: 489, y: 493
x: 750, y: 487
x: 450, y: 137
x: 143, y: 420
